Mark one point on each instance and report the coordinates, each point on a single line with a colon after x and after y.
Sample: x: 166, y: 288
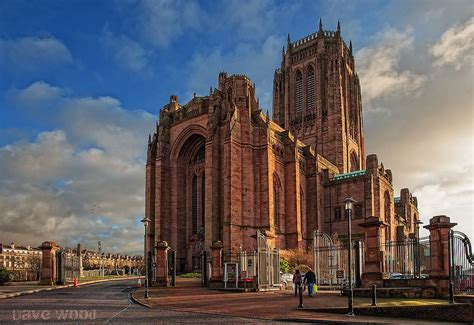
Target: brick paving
x: 276, y: 305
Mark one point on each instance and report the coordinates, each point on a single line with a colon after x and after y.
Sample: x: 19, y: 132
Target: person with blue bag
x: 310, y: 282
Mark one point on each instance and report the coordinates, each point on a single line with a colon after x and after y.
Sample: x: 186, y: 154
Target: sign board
x: 340, y: 274
x: 231, y: 274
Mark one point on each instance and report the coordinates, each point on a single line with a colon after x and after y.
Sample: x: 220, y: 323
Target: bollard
x: 301, y: 296
x: 146, y: 288
x: 451, y: 292
x: 75, y: 282
x: 374, y: 295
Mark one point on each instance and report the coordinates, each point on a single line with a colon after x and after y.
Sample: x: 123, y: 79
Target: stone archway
x: 190, y: 203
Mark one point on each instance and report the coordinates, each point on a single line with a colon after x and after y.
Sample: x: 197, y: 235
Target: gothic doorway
x: 191, y: 192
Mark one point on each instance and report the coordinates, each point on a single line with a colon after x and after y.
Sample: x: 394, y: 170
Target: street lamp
x: 348, y: 202
x: 418, y: 259
x: 145, y: 223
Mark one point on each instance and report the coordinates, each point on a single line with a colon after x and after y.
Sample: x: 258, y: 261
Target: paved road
x: 107, y: 302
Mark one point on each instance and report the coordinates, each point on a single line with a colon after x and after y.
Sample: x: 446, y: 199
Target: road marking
x: 129, y: 305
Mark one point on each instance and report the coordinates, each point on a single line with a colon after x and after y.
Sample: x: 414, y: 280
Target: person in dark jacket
x: 297, y: 281
x: 309, y: 281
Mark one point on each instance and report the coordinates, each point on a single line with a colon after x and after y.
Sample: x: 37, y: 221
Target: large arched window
x: 194, y: 202
x: 276, y: 201
x: 203, y: 201
x: 310, y: 89
x: 354, y: 162
x: 299, y: 91
x: 386, y: 207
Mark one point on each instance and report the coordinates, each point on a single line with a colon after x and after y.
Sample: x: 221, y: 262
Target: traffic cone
x: 139, y: 284
x: 74, y: 283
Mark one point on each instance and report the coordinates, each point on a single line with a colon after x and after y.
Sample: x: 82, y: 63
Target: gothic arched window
x: 276, y: 201
x: 194, y: 202
x: 354, y: 162
x: 386, y: 207
x: 203, y: 200
x: 200, y: 155
x: 299, y: 91
x: 310, y: 89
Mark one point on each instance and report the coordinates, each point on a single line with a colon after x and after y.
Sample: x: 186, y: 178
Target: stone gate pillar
x: 374, y: 255
x: 216, y: 269
x: 439, y: 254
x: 162, y: 279
x: 48, y: 263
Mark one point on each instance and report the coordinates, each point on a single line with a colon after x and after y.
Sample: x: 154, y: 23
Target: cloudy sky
x: 81, y: 83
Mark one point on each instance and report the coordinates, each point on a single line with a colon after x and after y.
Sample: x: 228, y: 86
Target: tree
x: 284, y: 265
x: 297, y: 259
x: 5, y: 276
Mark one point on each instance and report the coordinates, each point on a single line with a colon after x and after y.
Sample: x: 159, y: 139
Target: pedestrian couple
x: 309, y: 280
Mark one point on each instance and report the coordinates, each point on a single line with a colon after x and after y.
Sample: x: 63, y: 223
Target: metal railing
x: 408, y: 258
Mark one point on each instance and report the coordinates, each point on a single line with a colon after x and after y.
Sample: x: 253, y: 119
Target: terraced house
x: 219, y: 167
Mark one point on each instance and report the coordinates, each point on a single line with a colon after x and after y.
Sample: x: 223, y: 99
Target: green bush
x: 5, y: 276
x: 191, y: 275
x: 284, y: 265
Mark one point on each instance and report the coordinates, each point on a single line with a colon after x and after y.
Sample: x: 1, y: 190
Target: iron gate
x: 408, y: 258
x: 331, y: 260
x: 67, y: 266
x: 268, y: 264
x: 461, y: 262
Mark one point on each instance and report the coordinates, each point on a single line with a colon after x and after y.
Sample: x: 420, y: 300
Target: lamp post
x: 418, y: 259
x: 145, y: 223
x: 348, y: 202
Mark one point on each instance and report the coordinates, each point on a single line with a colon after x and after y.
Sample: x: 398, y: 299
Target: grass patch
x: 389, y: 302
x: 191, y: 275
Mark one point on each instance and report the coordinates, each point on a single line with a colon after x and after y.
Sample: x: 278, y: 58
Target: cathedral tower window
x: 354, y: 162
x: 310, y: 89
x: 299, y: 91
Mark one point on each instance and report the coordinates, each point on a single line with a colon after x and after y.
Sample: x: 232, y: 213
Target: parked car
x: 286, y: 280
x: 395, y: 275
x: 466, y: 282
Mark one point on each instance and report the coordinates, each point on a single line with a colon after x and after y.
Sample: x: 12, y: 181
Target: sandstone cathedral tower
x: 218, y: 168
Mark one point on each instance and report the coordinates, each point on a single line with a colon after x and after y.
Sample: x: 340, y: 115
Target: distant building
x: 219, y: 168
x: 23, y: 261
x: 92, y: 260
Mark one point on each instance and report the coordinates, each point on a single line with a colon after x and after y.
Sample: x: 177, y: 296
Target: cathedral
x: 219, y: 168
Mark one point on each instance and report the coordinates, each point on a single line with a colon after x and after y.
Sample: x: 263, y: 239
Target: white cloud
x: 82, y: 181
x: 254, y: 19
x: 37, y: 94
x: 379, y: 71
x: 456, y: 46
x: 34, y: 52
x: 126, y: 53
x: 161, y: 21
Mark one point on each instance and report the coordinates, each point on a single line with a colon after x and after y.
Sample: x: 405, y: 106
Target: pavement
x: 26, y: 288
x: 100, y: 303
x: 114, y: 302
x: 265, y: 306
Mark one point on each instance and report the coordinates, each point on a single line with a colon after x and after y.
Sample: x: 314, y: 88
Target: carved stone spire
x: 320, y: 25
